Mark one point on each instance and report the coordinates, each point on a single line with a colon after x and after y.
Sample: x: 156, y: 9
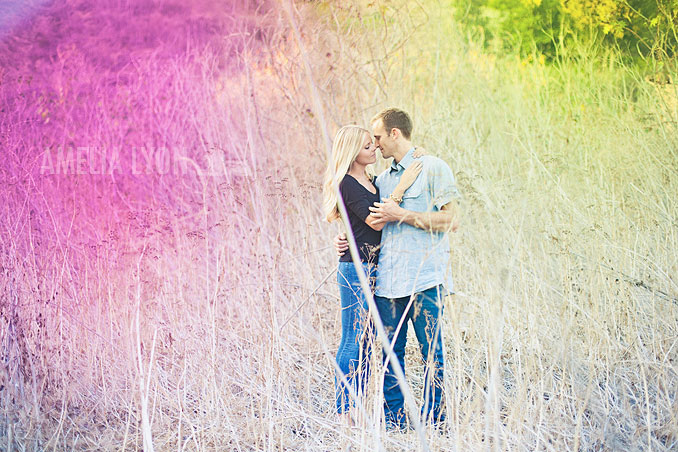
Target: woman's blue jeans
x: 354, y: 350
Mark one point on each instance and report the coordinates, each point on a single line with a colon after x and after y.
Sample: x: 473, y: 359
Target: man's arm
x: 443, y: 193
x: 444, y: 220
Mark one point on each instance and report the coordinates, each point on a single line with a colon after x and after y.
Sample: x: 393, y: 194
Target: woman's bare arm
x: 406, y: 181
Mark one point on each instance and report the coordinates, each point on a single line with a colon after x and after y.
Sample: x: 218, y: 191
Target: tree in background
x: 643, y: 27
x: 640, y: 28
x: 513, y: 25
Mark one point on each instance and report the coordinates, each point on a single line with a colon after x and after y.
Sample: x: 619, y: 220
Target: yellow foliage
x: 608, y: 14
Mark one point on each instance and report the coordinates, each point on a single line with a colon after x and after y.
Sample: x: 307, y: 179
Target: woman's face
x: 368, y: 151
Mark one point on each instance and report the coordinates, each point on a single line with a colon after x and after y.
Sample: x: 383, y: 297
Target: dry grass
x: 197, y: 310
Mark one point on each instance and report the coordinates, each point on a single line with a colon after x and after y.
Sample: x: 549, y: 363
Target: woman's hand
x: 410, y: 175
x: 419, y: 152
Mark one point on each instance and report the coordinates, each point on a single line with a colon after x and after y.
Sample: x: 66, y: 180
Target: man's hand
x: 340, y: 244
x: 386, y: 211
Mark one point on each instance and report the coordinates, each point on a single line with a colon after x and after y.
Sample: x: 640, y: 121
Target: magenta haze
x: 132, y: 91
x: 14, y: 12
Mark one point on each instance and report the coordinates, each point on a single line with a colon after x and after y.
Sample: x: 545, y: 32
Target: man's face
x: 383, y: 139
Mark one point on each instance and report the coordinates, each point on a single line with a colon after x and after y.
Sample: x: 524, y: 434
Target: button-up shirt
x: 412, y: 259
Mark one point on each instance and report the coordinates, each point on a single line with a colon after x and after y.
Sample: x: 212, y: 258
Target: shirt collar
x: 405, y: 162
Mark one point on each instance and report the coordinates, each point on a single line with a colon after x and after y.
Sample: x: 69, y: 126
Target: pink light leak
x: 110, y: 108
x: 14, y: 12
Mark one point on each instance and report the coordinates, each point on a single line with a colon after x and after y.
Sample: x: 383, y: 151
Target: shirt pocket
x: 416, y: 197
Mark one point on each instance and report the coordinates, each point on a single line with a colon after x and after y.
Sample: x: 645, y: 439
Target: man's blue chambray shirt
x: 411, y: 259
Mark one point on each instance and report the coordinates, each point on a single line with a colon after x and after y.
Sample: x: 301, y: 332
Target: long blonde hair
x: 345, y: 148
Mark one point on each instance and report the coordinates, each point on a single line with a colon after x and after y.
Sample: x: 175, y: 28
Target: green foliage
x: 517, y: 25
x: 640, y: 28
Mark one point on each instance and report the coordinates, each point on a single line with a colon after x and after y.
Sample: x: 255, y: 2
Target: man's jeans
x: 426, y: 314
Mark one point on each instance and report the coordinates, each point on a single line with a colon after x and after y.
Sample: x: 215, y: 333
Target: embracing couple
x: 400, y: 222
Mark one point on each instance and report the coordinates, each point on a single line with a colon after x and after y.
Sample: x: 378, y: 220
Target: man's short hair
x: 394, y: 118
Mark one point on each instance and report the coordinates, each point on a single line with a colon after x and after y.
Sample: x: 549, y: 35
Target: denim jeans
x: 354, y: 349
x: 426, y: 315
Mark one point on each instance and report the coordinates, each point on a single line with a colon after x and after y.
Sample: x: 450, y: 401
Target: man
x: 413, y: 260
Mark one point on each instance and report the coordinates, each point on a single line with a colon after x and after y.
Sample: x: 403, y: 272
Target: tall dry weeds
x: 196, y: 309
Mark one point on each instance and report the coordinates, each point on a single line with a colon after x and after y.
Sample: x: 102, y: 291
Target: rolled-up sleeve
x: 442, y: 184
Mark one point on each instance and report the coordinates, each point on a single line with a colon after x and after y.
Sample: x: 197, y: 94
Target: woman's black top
x: 358, y: 201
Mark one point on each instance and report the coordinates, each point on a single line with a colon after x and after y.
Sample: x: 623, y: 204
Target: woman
x: 353, y: 153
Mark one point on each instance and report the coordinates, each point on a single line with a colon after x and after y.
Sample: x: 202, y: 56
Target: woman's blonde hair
x: 345, y: 148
